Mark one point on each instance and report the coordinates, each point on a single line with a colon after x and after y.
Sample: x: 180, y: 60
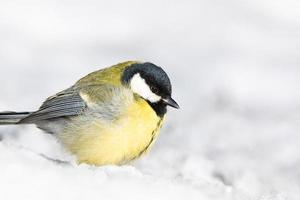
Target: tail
x: 7, y: 118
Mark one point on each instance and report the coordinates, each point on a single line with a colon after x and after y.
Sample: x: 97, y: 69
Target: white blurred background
x: 235, y: 71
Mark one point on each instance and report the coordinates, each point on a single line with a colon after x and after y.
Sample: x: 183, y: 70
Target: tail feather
x: 9, y: 117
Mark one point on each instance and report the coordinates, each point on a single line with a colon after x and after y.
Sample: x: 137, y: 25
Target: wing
x: 104, y: 102
x: 63, y: 104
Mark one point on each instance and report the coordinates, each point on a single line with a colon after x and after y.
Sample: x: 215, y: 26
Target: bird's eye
x: 154, y: 89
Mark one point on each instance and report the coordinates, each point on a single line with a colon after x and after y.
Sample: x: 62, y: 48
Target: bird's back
x: 110, y: 75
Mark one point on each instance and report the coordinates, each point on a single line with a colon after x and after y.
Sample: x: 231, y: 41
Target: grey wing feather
x: 63, y: 104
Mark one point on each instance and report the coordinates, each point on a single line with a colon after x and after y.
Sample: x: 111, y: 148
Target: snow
x: 235, y: 72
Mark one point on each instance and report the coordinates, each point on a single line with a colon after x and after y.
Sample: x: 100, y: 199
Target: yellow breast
x: 118, y: 142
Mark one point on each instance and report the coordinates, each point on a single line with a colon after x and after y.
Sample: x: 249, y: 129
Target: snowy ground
x: 235, y: 72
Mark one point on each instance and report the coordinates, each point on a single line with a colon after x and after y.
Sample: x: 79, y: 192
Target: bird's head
x: 152, y: 84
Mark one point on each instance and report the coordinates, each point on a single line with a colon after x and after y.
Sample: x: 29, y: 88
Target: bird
x: 109, y: 117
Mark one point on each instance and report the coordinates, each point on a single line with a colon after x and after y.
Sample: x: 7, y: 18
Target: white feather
x: 140, y: 87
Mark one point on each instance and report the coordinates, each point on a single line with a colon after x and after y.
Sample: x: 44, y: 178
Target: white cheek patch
x: 139, y: 86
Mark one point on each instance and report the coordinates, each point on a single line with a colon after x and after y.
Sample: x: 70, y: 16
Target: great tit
x: 110, y: 116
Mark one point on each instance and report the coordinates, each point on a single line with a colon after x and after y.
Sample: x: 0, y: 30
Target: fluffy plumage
x: 103, y: 118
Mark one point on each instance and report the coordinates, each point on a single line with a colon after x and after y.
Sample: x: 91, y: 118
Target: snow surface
x: 235, y: 71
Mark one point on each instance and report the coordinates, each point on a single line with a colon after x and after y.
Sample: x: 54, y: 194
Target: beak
x: 171, y: 102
